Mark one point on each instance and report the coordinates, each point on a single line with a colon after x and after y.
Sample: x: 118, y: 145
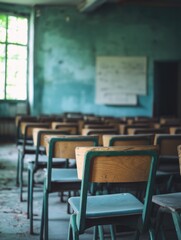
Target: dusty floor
x: 14, y: 224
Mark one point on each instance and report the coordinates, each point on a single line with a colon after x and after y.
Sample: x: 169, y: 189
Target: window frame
x: 27, y: 16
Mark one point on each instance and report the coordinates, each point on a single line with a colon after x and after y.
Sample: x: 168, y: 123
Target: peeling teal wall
x: 67, y: 43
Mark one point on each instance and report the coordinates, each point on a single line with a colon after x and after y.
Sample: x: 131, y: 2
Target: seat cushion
x: 109, y: 205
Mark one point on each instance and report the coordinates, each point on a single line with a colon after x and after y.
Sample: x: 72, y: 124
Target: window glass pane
x: 2, y: 28
x: 13, y: 57
x: 11, y: 93
x: 17, y: 52
x: 16, y: 72
x: 2, y: 71
x: 17, y: 30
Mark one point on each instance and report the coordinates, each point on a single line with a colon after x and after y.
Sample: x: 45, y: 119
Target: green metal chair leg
x: 95, y: 233
x: 73, y: 231
x: 31, y: 202
x: 17, y: 170
x: 28, y: 196
x: 101, y: 232
x: 113, y: 232
x: 152, y: 234
x: 42, y: 222
x: 177, y: 222
x: 46, y: 215
x: 21, y: 177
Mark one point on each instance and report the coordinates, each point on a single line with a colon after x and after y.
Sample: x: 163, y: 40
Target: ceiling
x: 92, y: 4
x: 35, y: 2
x: 83, y: 5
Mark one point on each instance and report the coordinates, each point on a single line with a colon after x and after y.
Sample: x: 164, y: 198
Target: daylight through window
x: 13, y: 57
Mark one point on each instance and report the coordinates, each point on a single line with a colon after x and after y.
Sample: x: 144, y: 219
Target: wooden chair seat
x: 168, y: 160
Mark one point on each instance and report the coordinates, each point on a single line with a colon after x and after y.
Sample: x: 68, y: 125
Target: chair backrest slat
x: 114, y: 164
x: 125, y: 140
x: 120, y: 169
x: 168, y: 143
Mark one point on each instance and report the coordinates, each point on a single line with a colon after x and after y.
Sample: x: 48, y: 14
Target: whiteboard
x: 120, y: 79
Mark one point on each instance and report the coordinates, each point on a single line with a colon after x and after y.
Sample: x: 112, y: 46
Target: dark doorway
x: 166, y: 83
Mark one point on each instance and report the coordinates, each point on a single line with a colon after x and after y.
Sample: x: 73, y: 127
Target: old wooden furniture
x: 113, y: 164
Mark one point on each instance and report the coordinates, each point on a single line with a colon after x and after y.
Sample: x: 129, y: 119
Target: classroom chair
x: 18, y: 121
x: 59, y: 180
x: 115, y: 165
x: 40, y: 162
x: 27, y: 129
x: 168, y: 204
x: 168, y: 168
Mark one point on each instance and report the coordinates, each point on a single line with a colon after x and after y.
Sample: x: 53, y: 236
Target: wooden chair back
x: 99, y: 132
x: 27, y: 128
x: 66, y: 126
x: 167, y: 143
x: 64, y: 147
x: 116, y: 164
x: 123, y: 128
x: 125, y: 140
x: 40, y: 133
x: 132, y: 131
x: 39, y: 137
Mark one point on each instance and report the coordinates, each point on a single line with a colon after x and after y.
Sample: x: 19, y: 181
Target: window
x: 13, y: 57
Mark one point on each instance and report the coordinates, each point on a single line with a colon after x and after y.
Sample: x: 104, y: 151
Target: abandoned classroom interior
x: 98, y: 81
